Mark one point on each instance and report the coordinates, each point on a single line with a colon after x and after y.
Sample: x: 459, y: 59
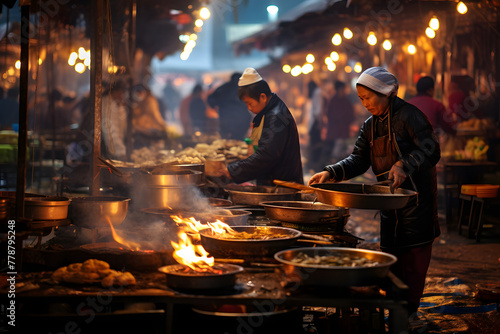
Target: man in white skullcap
x: 399, y: 144
x: 274, y: 143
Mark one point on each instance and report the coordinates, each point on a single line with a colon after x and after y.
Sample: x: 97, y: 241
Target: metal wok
x: 356, y: 195
x: 362, y: 196
x: 303, y: 212
x: 254, y: 195
x: 335, y: 276
x: 248, y: 247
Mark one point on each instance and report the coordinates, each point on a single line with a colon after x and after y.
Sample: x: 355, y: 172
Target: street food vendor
x: 399, y: 144
x: 274, y: 142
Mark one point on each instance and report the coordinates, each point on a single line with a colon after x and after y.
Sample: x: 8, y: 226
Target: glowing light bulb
x: 307, y: 68
x: 434, y: 23
x: 387, y: 45
x: 329, y: 61
x: 336, y: 39
x: 310, y: 58
x: 332, y: 67
x: 198, y: 23
x: 462, y: 8
x: 296, y: 71
x: 358, y: 67
x: 81, y: 53
x: 348, y: 33
x: 335, y: 56
x: 204, y: 13
x: 372, y: 39
x: 348, y: 69
x: 287, y: 68
x: 430, y: 32
x: 17, y: 65
x: 412, y: 49
x: 80, y: 68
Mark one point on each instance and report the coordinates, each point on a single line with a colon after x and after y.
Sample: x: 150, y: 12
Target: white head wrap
x: 379, y: 80
x: 249, y: 77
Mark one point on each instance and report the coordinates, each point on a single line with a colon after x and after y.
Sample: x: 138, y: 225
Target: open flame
x: 189, y: 254
x: 127, y: 243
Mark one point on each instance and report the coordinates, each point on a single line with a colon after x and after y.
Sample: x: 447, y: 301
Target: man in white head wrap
x: 398, y: 143
x: 274, y: 143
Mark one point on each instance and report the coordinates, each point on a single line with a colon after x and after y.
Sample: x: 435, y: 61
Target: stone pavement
x: 459, y: 265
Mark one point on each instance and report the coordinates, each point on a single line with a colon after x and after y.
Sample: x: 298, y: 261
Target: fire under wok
x: 277, y: 238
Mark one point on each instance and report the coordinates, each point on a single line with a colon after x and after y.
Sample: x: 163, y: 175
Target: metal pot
x: 46, y: 208
x: 254, y: 195
x: 248, y: 247
x: 173, y: 178
x: 94, y: 211
x: 302, y: 212
x: 332, y: 276
x: 176, y: 279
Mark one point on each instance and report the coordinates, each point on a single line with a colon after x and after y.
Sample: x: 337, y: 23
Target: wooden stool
x: 463, y: 199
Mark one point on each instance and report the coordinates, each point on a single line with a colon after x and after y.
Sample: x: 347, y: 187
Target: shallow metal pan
x: 303, y: 212
x: 332, y: 276
x: 248, y: 247
x: 254, y: 195
x: 362, y: 196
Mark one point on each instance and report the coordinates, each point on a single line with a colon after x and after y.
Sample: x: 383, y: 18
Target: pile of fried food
x: 334, y: 260
x: 93, y: 271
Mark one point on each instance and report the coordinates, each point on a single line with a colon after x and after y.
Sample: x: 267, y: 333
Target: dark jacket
x: 278, y: 153
x: 234, y: 117
x: 412, y: 225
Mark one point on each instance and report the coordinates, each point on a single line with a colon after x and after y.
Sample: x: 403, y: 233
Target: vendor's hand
x: 397, y: 174
x: 319, y: 177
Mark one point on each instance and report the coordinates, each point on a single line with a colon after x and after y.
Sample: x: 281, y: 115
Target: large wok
x: 254, y: 195
x: 334, y: 276
x: 303, y: 212
x: 248, y: 247
x: 357, y: 195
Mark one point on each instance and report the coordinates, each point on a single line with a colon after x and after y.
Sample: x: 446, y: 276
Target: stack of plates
x: 487, y: 190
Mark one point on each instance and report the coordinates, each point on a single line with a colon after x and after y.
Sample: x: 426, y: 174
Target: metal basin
x: 46, y: 208
x: 334, y: 276
x: 94, y: 211
x: 254, y: 195
x: 303, y: 212
x: 248, y: 247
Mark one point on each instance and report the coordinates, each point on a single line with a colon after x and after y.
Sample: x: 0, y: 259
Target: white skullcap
x: 249, y: 77
x: 379, y: 80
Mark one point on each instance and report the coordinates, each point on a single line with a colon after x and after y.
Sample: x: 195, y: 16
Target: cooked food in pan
x: 335, y: 260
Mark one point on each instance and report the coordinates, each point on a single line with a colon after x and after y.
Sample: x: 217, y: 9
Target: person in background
x: 114, y: 121
x: 340, y: 115
x: 234, y: 119
x: 184, y: 116
x: 197, y: 110
x: 9, y: 108
x: 399, y: 144
x: 148, y: 125
x: 319, y: 96
x: 432, y: 108
x: 171, y: 99
x: 274, y: 142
